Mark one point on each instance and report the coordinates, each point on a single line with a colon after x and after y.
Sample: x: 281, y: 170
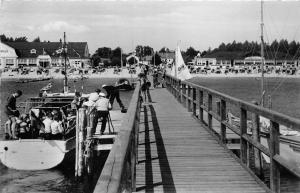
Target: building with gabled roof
x: 49, y: 54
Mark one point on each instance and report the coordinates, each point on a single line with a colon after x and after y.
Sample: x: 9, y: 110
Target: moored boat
x: 33, y: 152
x: 124, y: 84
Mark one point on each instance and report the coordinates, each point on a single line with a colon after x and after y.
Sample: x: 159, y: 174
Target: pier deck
x: 178, y: 154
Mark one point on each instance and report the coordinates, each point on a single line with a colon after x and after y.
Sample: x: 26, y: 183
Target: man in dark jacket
x: 12, y: 114
x: 112, y: 94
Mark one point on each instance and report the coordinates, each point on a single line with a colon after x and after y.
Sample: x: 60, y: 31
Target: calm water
x: 59, y: 179
x: 285, y: 99
x: 285, y: 92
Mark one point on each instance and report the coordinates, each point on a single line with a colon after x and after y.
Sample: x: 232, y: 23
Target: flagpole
x: 65, y: 55
x: 176, y: 60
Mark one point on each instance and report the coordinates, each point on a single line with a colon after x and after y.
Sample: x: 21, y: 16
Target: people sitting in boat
x: 56, y: 128
x: 102, y: 107
x: 12, y: 114
x: 36, y: 123
x: 46, y: 132
x: 24, y: 131
x: 112, y: 94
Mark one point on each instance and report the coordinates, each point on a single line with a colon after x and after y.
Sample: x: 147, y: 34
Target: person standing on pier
x: 102, y: 106
x: 112, y: 94
x: 12, y: 114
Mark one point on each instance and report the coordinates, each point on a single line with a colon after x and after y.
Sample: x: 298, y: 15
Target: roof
x: 23, y: 49
x: 147, y: 58
x: 167, y: 55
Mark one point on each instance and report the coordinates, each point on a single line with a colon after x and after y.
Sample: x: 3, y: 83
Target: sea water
x: 285, y: 94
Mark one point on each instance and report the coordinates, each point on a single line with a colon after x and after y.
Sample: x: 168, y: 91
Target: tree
x: 104, y: 52
x: 139, y: 51
x: 162, y: 50
x: 132, y: 60
x: 148, y: 51
x: 191, y: 52
x: 157, y: 59
x: 142, y: 51
x: 21, y: 39
x: 116, y: 61
x: 37, y: 39
x: 116, y: 53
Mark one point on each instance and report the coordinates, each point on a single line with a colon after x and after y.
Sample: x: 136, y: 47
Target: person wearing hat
x: 112, y: 94
x: 102, y: 106
x: 92, y: 99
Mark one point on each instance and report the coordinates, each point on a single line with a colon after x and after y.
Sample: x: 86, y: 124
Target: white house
x: 8, y: 56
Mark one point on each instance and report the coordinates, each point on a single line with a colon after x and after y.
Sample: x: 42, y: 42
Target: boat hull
x: 34, y: 154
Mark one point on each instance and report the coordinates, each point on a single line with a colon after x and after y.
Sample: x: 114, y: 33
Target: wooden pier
x: 177, y: 154
x: 170, y: 144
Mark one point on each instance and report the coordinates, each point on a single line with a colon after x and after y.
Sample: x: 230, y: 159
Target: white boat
x: 32, y: 153
x: 35, y: 154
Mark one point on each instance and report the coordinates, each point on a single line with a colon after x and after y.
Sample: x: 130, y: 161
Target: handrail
x: 118, y: 173
x: 192, y: 96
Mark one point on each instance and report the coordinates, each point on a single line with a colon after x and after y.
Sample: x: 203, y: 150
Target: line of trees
x: 276, y: 49
x: 5, y: 38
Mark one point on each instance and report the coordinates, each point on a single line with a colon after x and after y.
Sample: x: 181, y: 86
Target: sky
x: 157, y: 23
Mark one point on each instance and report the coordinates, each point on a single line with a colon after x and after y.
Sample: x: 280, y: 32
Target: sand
x: 109, y: 73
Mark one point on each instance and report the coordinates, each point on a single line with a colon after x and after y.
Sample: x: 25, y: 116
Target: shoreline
x: 244, y: 76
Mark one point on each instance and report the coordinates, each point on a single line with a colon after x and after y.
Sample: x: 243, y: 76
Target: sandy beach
x: 109, y: 73
x: 245, y: 75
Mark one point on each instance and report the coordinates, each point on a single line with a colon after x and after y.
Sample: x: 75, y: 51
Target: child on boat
x: 46, y: 132
x: 56, y: 128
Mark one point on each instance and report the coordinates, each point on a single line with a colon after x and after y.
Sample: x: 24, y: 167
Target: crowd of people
x: 158, y: 75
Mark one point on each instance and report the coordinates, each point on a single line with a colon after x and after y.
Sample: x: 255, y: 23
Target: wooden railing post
x: 179, y: 91
x: 200, y: 105
x: 194, y: 102
x: 188, y: 101
x: 133, y: 160
x: 243, y: 130
x: 223, y: 118
x: 274, y: 150
x: 183, y: 94
x: 256, y: 136
x: 209, y: 109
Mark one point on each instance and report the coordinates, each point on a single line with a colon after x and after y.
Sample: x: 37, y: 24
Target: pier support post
x: 274, y: 150
x: 80, y: 127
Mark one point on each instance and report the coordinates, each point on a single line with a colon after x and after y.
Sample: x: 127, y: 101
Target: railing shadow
x: 167, y: 182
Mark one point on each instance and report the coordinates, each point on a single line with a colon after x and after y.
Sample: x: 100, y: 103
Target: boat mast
x: 121, y: 59
x: 65, y: 55
x: 262, y: 87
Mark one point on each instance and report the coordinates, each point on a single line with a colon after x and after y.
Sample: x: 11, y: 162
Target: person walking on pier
x: 12, y: 114
x: 102, y: 106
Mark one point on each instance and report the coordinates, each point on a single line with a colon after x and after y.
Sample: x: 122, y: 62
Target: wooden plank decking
x: 177, y: 154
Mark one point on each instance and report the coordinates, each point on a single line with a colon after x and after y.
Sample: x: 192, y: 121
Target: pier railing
x: 118, y: 173
x: 198, y: 98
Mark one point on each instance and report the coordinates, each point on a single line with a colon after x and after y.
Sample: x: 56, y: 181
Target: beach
x: 108, y: 73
